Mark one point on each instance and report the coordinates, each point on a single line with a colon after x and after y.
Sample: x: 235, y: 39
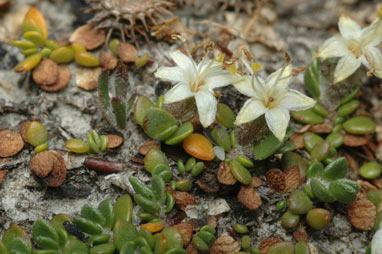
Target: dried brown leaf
x: 127, y: 52
x: 11, y: 143
x: 62, y: 81
x: 145, y: 148
x: 362, y: 214
x: 42, y: 163
x: 292, y: 178
x: 185, y: 230
x: 224, y: 174
x: 267, y: 243
x: 256, y: 182
x: 108, y: 60
x: 88, y: 37
x: 87, y: 78
x: 46, y: 73
x: 355, y: 140
x: 114, y: 141
x: 225, y: 245
x: 321, y: 128
x: 276, y: 180
x: 3, y: 174
x: 298, y: 140
x: 249, y: 197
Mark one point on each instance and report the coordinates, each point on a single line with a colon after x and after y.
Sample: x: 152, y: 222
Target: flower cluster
x: 271, y: 97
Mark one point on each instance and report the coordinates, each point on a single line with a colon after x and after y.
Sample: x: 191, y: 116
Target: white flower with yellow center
x: 356, y: 46
x: 197, y: 81
x: 272, y: 98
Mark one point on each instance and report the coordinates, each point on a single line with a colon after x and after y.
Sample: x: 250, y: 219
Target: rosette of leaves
x: 328, y: 184
x: 158, y: 123
x: 155, y: 200
x: 113, y: 98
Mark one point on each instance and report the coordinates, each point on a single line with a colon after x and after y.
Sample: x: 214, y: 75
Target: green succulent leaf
x: 123, y: 208
x: 45, y: 235
x: 336, y: 169
x: 106, y: 208
x: 123, y: 232
x: 93, y: 214
x: 344, y: 190
x: 159, y: 124
x: 321, y: 192
x: 75, y: 246
x: 312, y: 77
x: 88, y: 226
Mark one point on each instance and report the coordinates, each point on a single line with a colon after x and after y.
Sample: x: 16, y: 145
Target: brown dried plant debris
x: 355, y: 140
x: 267, y: 243
x: 182, y: 198
x: 362, y: 214
x: 50, y: 166
x: 225, y: 245
x: 224, y: 174
x: 3, y: 174
x: 108, y: 61
x: 207, y: 186
x: 166, y: 30
x: 249, y: 197
x: 87, y: 78
x: 88, y: 36
x: 145, y: 148
x: 292, y: 178
x: 114, y: 141
x: 276, y: 180
x: 185, y: 230
x: 300, y: 234
x: 62, y: 81
x: 192, y: 250
x: 365, y: 187
x: 11, y: 143
x: 23, y: 129
x: 256, y: 182
x: 127, y: 52
x: 46, y: 73
x: 321, y: 128
x: 298, y: 140
x: 128, y: 17
x: 353, y: 164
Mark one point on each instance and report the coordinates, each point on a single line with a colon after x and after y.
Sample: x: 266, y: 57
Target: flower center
x: 355, y: 47
x: 195, y: 87
x: 269, y: 104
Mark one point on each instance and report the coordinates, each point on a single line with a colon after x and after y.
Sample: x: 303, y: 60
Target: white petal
x: 349, y: 28
x: 374, y: 57
x: 283, y: 80
x: 223, y: 78
x: 333, y: 47
x: 251, y: 110
x: 294, y: 100
x: 183, y: 61
x: 245, y: 87
x: 346, y: 66
x: 206, y: 104
x: 179, y: 92
x: 376, y: 243
x: 277, y: 121
x: 174, y: 74
x: 371, y: 35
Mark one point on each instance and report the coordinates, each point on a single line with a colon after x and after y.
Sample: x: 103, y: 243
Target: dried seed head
x: 128, y: 16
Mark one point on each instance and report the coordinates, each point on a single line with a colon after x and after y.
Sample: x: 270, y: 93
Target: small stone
x: 127, y: 52
x: 11, y: 143
x: 87, y: 78
x: 46, y: 73
x: 88, y: 37
x: 362, y: 214
x: 108, y: 60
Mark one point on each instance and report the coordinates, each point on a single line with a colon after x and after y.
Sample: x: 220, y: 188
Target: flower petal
x: 371, y: 35
x: 283, y: 80
x: 183, y: 61
x: 294, y: 100
x: 374, y: 57
x: 173, y: 74
x: 376, y: 242
x: 349, y: 29
x: 333, y: 47
x: 251, y: 110
x: 346, y: 66
x: 277, y: 121
x: 179, y: 92
x: 220, y: 79
x: 245, y: 87
x: 207, y: 106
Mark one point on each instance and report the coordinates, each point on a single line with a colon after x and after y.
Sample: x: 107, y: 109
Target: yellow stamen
x: 232, y: 69
x: 220, y: 58
x: 256, y: 67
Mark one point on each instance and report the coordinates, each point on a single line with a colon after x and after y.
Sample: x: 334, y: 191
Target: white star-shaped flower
x: 376, y: 243
x: 197, y: 81
x: 271, y: 97
x: 356, y: 46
